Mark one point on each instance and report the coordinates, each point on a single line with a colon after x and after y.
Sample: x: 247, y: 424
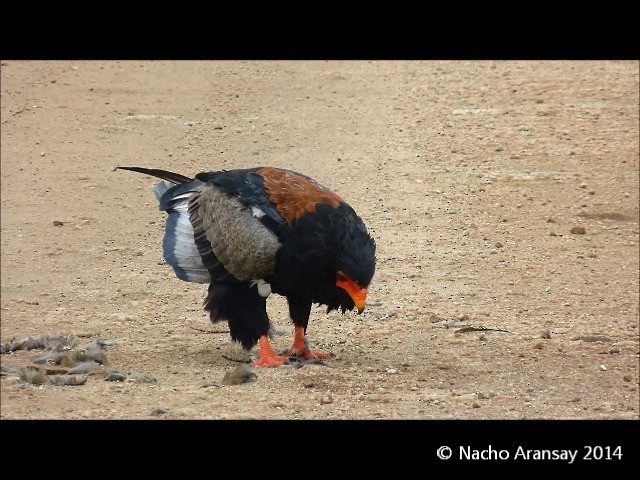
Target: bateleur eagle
x: 252, y: 232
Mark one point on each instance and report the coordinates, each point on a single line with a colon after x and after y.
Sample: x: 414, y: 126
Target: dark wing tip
x: 163, y: 174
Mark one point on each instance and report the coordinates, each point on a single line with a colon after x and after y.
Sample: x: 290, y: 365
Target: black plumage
x: 252, y: 232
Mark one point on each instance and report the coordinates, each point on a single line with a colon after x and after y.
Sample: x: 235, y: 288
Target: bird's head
x: 356, y: 267
x: 356, y: 292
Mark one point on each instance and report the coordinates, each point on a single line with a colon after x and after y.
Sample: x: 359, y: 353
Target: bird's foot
x: 271, y: 361
x: 301, y: 348
x: 307, y: 354
x: 268, y: 357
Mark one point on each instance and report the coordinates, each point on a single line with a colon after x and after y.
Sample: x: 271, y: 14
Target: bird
x: 253, y: 232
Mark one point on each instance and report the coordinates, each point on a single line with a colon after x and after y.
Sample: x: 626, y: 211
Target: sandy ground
x: 470, y: 175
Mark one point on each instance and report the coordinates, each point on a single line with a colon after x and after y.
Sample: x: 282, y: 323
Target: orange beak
x: 357, y: 293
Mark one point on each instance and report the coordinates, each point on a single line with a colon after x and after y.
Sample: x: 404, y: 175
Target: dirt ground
x: 470, y: 176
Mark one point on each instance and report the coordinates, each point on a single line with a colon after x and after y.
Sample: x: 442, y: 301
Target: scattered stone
x: 115, y: 377
x: 578, y: 230
x: 325, y: 400
x: 57, y: 344
x: 603, y: 368
x: 312, y: 361
x: 56, y: 371
x: 68, y: 380
x: 392, y: 370
x: 87, y: 368
x: 434, y: 398
x: 592, y: 338
x: 539, y: 346
x: 626, y: 378
x: 34, y: 375
x: 498, y: 244
x: 10, y: 371
x: 546, y: 334
x: 483, y: 395
x: 139, y: 378
x: 551, y: 220
x: 554, y: 234
x: 239, y: 375
x: 614, y: 350
x: 576, y: 399
x: 158, y: 411
x: 57, y: 223
x: 50, y: 358
x: 475, y: 404
x: 210, y: 384
x: 91, y: 352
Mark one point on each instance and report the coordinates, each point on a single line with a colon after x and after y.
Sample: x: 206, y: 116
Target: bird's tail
x: 175, y: 178
x: 191, y: 259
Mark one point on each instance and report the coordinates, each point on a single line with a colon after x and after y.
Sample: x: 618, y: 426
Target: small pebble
x: 475, y: 404
x: 139, y: 378
x: 115, y: 377
x: 327, y: 399
x: 626, y: 378
x: 57, y: 223
x: 578, y: 230
x: 546, y: 334
x: 614, y: 350
x: 239, y: 375
x: 539, y: 346
x: 158, y: 411
x: 603, y: 368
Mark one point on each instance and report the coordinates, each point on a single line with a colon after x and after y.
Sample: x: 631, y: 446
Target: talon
x: 271, y: 361
x: 268, y: 357
x: 301, y: 349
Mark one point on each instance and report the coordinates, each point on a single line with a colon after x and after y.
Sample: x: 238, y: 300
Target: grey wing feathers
x: 242, y: 244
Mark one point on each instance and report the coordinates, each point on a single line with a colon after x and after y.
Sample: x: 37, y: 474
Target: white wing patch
x: 264, y: 288
x: 180, y: 249
x: 256, y: 212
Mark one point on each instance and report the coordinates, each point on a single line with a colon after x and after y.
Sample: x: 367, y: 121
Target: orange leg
x: 268, y: 357
x: 300, y: 348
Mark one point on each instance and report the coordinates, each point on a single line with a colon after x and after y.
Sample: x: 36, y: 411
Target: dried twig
x: 208, y: 331
x: 480, y: 328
